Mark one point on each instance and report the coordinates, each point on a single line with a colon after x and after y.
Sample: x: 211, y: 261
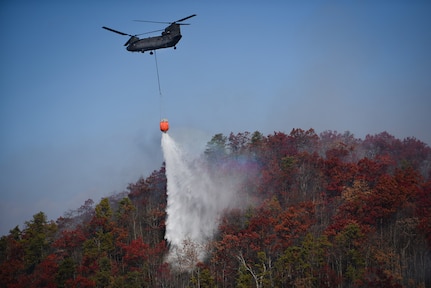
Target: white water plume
x: 196, y: 200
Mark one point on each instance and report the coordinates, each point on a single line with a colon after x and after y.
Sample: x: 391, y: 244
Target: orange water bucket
x: 164, y: 125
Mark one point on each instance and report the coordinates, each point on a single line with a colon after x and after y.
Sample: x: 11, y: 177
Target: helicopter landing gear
x: 175, y: 47
x: 151, y: 53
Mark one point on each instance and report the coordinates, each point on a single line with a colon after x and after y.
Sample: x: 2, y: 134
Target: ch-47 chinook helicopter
x: 169, y: 38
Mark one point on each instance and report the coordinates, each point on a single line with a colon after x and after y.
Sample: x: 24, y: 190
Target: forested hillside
x: 326, y: 210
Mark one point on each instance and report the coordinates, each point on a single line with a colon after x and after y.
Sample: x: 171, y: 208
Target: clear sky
x: 79, y: 114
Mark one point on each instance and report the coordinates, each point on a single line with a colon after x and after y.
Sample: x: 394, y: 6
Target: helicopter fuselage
x: 169, y: 38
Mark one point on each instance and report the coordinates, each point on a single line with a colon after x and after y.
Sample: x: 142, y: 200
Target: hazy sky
x: 79, y: 114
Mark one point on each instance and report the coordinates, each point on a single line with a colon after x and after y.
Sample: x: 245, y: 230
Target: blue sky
x: 79, y: 114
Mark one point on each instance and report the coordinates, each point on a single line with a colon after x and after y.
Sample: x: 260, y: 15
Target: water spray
x: 195, y: 202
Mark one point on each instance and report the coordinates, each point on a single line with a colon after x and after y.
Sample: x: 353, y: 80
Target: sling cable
x: 164, y: 124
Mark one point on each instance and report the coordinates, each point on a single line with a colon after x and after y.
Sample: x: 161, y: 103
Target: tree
x: 423, y: 211
x: 260, y: 272
x: 12, y: 262
x: 303, y: 265
x: 37, y: 238
x: 125, y: 218
x: 347, y: 256
x: 237, y: 143
x: 70, y: 242
x: 99, y: 244
x: 303, y: 141
x: 44, y: 273
x: 216, y: 148
x: 65, y: 273
x: 103, y: 276
x: 203, y: 277
x: 382, y: 144
x: 136, y: 254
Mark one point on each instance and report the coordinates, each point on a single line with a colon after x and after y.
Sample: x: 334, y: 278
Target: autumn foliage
x: 326, y: 210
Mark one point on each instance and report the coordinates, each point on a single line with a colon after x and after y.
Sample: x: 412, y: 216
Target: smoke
x: 196, y: 199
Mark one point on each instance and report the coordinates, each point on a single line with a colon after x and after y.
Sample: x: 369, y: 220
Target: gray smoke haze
x: 196, y: 199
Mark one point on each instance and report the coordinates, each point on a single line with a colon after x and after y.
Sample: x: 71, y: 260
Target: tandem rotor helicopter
x: 169, y: 38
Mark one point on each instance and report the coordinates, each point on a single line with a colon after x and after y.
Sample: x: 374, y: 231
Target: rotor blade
x: 185, y: 18
x: 115, y: 31
x: 150, y: 32
x: 160, y: 22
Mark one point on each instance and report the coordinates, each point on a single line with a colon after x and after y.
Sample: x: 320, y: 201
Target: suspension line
x: 158, y: 82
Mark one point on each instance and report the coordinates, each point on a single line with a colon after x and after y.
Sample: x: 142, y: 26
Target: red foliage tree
x: 44, y: 274
x: 12, y: 263
x: 423, y: 211
x: 136, y: 254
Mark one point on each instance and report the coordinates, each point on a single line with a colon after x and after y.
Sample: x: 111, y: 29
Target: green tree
x: 103, y: 238
x: 103, y: 209
x: 302, y: 265
x: 349, y: 258
x: 103, y: 275
x: 66, y: 271
x: 260, y: 272
x: 100, y: 242
x: 38, y: 236
x: 216, y: 148
x: 202, y: 277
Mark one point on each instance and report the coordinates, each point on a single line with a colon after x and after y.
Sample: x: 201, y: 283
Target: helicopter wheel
x: 151, y: 53
x: 175, y: 47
